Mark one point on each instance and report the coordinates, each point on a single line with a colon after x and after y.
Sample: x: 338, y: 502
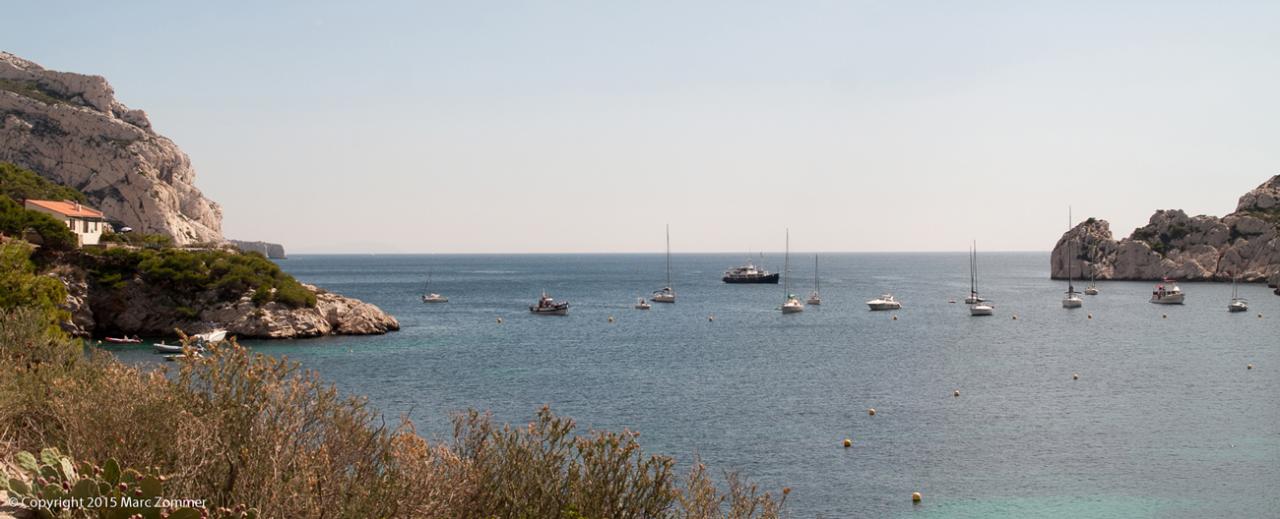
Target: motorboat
x: 123, y: 340
x: 666, y: 294
x: 1167, y: 293
x: 210, y: 337
x: 161, y: 347
x: 886, y: 301
x: 641, y: 304
x: 749, y: 273
x: 548, y: 306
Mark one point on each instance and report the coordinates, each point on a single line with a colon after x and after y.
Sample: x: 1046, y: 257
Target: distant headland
x: 1244, y: 244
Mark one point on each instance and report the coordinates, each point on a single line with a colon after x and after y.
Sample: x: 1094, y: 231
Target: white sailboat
x: 814, y: 297
x: 432, y: 297
x: 977, y: 305
x: 792, y: 304
x: 1073, y: 299
x: 666, y: 294
x: 1092, y: 289
x: 1238, y: 304
x: 641, y: 304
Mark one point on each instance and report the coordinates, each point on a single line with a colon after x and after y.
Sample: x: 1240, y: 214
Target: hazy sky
x: 585, y: 126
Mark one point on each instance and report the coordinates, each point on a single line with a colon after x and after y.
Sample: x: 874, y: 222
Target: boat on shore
x: 548, y: 306
x: 1167, y: 293
x: 886, y: 301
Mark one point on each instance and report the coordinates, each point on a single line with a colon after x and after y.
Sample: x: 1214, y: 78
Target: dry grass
x: 235, y: 427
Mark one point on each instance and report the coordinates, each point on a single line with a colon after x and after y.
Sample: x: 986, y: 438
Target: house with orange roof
x: 84, y: 221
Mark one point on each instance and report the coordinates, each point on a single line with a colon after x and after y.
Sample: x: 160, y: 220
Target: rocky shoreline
x: 141, y: 309
x: 1244, y: 245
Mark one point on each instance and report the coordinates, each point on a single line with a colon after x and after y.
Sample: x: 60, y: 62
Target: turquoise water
x: 1165, y: 421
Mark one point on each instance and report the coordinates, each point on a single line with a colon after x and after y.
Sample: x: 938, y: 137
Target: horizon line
x: 607, y: 253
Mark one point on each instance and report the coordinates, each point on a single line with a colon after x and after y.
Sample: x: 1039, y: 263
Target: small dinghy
x: 123, y: 340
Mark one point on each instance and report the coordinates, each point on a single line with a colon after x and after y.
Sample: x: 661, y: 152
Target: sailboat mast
x: 668, y: 255
x: 786, y: 267
x: 815, y: 272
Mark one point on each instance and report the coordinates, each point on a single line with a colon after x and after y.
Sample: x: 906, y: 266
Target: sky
x: 585, y: 126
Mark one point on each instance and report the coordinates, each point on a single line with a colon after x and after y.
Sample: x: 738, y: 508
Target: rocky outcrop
x: 136, y: 309
x: 270, y: 250
x: 1243, y: 244
x: 333, y: 314
x: 69, y: 128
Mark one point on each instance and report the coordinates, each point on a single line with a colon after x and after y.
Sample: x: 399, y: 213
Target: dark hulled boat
x: 750, y: 274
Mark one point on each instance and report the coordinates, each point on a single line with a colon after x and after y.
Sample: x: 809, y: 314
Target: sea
x: 1121, y: 408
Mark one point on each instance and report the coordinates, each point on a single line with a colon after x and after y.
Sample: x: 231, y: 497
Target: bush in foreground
x: 233, y: 427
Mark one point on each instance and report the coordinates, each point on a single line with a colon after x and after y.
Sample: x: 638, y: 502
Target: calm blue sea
x: 1165, y: 421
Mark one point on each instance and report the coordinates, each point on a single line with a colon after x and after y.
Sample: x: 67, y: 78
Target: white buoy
x: 1075, y: 376
x: 611, y: 318
x: 916, y: 497
x: 872, y: 411
x: 956, y: 393
x: 499, y: 320
x: 1091, y: 316
x: 711, y: 318
x: 1249, y: 366
x: 895, y: 318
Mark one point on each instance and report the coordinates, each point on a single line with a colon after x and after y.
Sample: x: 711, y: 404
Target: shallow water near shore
x: 1164, y: 421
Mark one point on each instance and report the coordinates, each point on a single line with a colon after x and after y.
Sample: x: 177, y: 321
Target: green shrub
x: 20, y: 286
x: 238, y: 428
x: 21, y: 184
x: 186, y: 273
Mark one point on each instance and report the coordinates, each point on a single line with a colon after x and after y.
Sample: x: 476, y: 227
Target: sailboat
x: 432, y: 297
x: 666, y: 294
x: 1073, y: 299
x: 814, y: 298
x: 1238, y: 304
x: 792, y: 304
x: 977, y: 305
x: 1092, y: 289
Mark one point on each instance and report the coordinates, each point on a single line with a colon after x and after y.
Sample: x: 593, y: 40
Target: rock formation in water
x: 270, y: 250
x: 1243, y: 244
x: 69, y: 128
x: 140, y: 309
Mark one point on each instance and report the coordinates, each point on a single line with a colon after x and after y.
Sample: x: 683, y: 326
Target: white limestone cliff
x: 70, y: 129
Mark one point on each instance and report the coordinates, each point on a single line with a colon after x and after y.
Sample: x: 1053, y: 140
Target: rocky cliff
x: 70, y: 129
x: 139, y: 309
x: 1244, y: 244
x: 270, y: 250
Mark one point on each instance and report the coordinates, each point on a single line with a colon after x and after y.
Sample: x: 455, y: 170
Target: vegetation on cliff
x: 20, y: 184
x: 236, y: 428
x: 186, y: 274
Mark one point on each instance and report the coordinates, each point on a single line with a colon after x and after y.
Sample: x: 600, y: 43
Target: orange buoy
x: 916, y: 497
x: 848, y: 443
